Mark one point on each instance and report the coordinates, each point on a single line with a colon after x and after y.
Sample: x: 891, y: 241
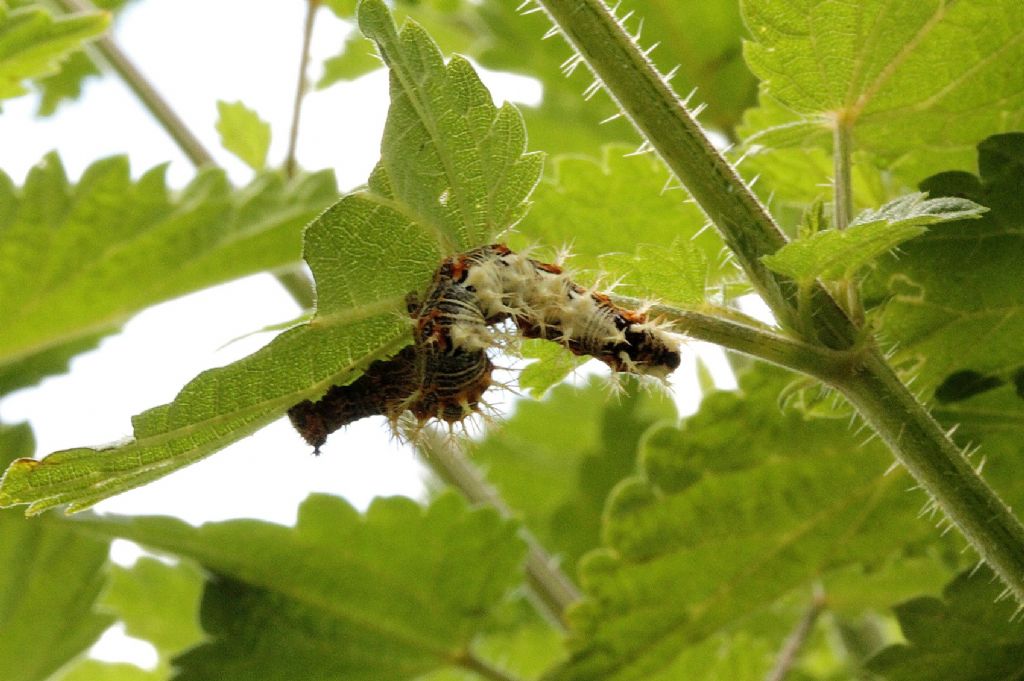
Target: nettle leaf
x: 974, y: 631
x: 556, y: 460
x: 955, y: 294
x: 33, y: 43
x: 453, y: 175
x: 393, y: 594
x: 51, y: 579
x: 77, y: 261
x: 738, y: 508
x: 243, y: 133
x: 919, y: 83
x: 837, y: 254
x: 579, y: 203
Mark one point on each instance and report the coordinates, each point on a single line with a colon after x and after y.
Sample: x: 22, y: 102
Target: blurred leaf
x: 578, y: 204
x: 94, y: 670
x: 919, y: 83
x: 51, y: 578
x: 77, y: 261
x: 554, y: 363
x: 158, y: 603
x: 453, y: 175
x: 389, y: 595
x: 33, y: 43
x: 974, y: 632
x: 742, y: 506
x: 556, y: 460
x: 834, y: 254
x: 243, y: 133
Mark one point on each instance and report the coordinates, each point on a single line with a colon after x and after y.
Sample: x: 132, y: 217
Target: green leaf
x: 243, y: 133
x: 955, y: 295
x: 393, y: 594
x: 553, y: 364
x: 557, y: 460
x: 837, y: 254
x: 579, y: 205
x: 94, y: 670
x: 453, y: 175
x: 733, y: 511
x: 76, y: 261
x: 33, y: 43
x: 51, y: 578
x: 158, y: 603
x: 919, y: 83
x: 974, y: 631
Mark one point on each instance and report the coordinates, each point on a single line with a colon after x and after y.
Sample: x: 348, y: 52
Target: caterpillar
x: 444, y: 373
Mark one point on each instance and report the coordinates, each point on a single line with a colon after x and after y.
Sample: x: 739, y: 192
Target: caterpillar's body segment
x: 445, y: 372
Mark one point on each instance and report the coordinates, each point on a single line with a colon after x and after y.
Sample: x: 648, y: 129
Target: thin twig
x: 300, y: 87
x: 555, y: 591
x: 796, y: 640
x: 144, y: 90
x: 468, y: 660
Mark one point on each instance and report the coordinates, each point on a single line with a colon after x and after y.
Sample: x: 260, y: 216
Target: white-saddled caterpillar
x: 446, y: 370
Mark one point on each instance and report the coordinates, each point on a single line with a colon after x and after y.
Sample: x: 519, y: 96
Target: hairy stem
x: 300, y: 88
x: 554, y: 590
x: 144, y: 90
x: 885, y: 403
x: 940, y: 467
x: 842, y: 186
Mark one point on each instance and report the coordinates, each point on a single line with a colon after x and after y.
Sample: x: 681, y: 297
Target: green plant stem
x: 871, y: 386
x: 554, y: 590
x: 301, y: 86
x: 144, y: 90
x: 842, y: 189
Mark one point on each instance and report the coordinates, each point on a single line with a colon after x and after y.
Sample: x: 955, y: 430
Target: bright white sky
x: 197, y: 51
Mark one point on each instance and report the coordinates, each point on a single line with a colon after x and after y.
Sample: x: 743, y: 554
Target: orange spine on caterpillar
x: 446, y: 370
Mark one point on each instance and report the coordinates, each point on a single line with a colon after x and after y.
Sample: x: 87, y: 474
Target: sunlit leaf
x: 453, y: 174
x: 918, y: 83
x: 33, y: 43
x: 833, y: 254
x: 389, y: 595
x: 243, y: 133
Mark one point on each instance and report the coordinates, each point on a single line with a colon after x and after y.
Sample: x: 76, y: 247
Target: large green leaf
x: 557, y: 460
x: 393, y: 594
x: 974, y: 633
x: 730, y: 513
x: 50, y: 579
x: 453, y: 175
x: 33, y: 43
x: 918, y: 82
x: 76, y: 261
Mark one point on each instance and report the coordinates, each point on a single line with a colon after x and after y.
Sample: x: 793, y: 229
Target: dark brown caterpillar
x: 445, y: 372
